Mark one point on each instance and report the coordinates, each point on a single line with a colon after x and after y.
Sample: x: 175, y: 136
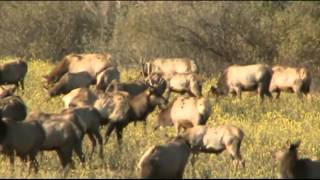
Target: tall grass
x: 267, y: 127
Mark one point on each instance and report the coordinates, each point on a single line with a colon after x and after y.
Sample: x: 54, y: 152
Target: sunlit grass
x: 267, y: 127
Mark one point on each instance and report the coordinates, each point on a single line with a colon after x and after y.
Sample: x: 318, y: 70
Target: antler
x: 143, y: 63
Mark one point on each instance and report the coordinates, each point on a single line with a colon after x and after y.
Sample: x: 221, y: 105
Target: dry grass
x: 267, y: 127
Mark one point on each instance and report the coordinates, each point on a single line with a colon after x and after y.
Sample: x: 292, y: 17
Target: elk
x: 185, y: 111
x: 290, y: 79
x: 74, y: 63
x: 236, y: 78
x: 13, y: 72
x: 166, y: 161
x: 293, y: 167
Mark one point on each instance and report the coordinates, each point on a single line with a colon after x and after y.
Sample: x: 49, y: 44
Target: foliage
x: 215, y: 33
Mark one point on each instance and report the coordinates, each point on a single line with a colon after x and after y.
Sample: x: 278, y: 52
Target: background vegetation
x: 215, y: 34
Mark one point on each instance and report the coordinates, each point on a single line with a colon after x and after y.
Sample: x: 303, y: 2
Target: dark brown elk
x: 89, y: 119
x: 13, y: 108
x: 169, y: 66
x: 141, y: 106
x: 75, y: 63
x: 289, y: 79
x: 293, y: 167
x: 63, y: 134
x: 107, y: 76
x: 205, y: 139
x: 167, y: 161
x: 23, y: 138
x: 13, y: 72
x: 69, y: 82
x: 236, y: 79
x: 185, y: 111
x: 136, y: 87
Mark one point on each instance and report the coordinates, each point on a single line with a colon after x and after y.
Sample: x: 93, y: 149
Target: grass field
x: 267, y: 127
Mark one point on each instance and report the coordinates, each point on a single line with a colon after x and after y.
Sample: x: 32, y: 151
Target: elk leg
x: 78, y: 150
x: 177, y: 127
x: 109, y: 131
x: 65, y: 156
x: 234, y: 149
x: 11, y: 159
x: 278, y: 94
x: 193, y: 161
x: 94, y: 143
x: 145, y: 126
x: 22, y: 84
x: 100, y: 141
x: 33, y: 163
x: 238, y: 92
x: 119, y: 131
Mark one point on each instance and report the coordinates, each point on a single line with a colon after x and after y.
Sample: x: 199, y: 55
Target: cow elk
x: 236, y: 79
x: 23, y: 138
x: 169, y: 66
x: 289, y: 79
x: 293, y: 167
x: 13, y: 72
x: 167, y: 161
x: 204, y: 139
x: 76, y: 63
x: 184, y: 112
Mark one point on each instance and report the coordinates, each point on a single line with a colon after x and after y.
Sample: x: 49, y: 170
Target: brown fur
x: 13, y: 108
x: 24, y: 138
x: 141, y: 106
x: 167, y: 161
x: 63, y: 135
x: 107, y: 76
x: 89, y: 119
x: 75, y: 63
x: 71, y: 81
x: 294, y: 168
x: 13, y: 72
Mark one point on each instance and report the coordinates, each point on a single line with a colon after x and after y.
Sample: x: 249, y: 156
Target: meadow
x: 267, y: 128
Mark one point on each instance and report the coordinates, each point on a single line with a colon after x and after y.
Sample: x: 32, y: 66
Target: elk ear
x: 295, y: 145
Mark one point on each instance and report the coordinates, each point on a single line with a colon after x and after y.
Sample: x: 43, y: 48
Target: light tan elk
x: 185, y: 111
x: 236, y: 79
x: 169, y: 66
x: 289, y: 79
x: 75, y: 63
x: 205, y: 139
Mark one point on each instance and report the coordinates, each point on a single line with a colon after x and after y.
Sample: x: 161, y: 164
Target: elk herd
x: 94, y: 96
